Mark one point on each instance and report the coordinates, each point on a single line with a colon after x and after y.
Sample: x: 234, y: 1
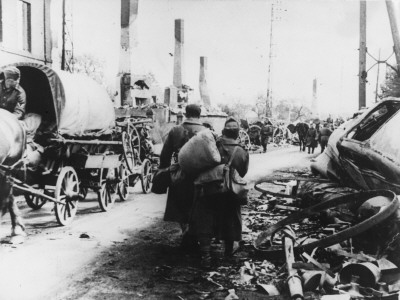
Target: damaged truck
x: 364, y: 152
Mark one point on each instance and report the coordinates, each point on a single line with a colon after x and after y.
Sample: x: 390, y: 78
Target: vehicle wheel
x: 278, y: 136
x: 67, y: 192
x: 135, y: 139
x: 146, y: 176
x: 35, y: 202
x: 107, y: 193
x: 123, y: 185
x: 244, y: 139
x: 129, y: 156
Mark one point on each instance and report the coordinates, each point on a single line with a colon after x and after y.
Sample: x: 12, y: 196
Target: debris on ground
x: 84, y: 236
x: 284, y: 265
x: 344, y: 245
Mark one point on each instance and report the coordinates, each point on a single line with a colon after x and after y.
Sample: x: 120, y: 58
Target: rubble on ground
x: 359, y: 267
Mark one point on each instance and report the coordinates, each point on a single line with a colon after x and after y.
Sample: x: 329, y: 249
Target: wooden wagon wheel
x: 146, y: 176
x: 135, y: 140
x: 34, y: 201
x: 67, y: 192
x: 128, y: 151
x: 244, y: 139
x: 123, y: 184
x: 108, y: 188
x: 277, y: 136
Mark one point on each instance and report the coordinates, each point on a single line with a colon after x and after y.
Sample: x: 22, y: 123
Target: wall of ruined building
x: 11, y: 47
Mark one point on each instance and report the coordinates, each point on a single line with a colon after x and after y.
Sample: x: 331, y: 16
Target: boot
x: 205, y: 252
x: 189, y: 243
x: 229, y: 249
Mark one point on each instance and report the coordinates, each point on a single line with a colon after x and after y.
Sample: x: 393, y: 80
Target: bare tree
x: 391, y: 86
x: 89, y: 65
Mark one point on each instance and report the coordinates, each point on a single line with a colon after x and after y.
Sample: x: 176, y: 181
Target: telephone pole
x: 362, y: 75
x: 268, y: 104
x: 63, y: 37
x: 67, y: 51
x: 395, y: 31
x: 377, y: 78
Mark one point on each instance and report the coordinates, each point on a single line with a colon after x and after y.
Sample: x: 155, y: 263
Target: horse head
x: 12, y: 138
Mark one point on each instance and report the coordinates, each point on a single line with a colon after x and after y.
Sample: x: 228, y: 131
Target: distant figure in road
x: 219, y: 215
x: 324, y: 135
x: 266, y: 134
x: 180, y: 198
x: 12, y: 95
x: 311, y: 138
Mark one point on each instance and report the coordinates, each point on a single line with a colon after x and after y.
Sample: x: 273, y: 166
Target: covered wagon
x: 67, y: 143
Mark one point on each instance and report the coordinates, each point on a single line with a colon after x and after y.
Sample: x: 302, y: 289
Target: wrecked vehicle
x: 348, y: 226
x: 364, y: 152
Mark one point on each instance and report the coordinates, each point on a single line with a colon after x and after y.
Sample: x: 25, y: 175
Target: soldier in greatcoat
x: 324, y: 135
x: 180, y: 198
x: 266, y: 134
x: 312, y: 138
x: 220, y: 216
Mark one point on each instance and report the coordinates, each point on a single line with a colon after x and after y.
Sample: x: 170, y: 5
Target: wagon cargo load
x: 74, y: 103
x: 89, y: 109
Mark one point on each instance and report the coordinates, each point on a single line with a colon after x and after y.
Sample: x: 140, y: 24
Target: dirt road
x: 116, y: 255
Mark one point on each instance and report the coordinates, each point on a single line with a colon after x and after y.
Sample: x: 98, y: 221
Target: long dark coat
x: 311, y: 138
x: 324, y: 135
x: 220, y: 216
x: 180, y: 198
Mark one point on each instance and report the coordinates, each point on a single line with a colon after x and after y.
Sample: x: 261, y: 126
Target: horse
x: 301, y: 129
x: 12, y: 148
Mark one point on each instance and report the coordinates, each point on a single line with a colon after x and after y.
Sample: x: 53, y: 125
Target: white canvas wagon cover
x: 81, y: 105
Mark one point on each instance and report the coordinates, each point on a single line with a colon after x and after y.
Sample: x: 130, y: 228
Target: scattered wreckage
x: 341, y: 236
x: 335, y: 236
x: 364, y: 152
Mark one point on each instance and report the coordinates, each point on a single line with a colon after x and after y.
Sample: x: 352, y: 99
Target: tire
x: 67, y: 192
x: 146, y: 176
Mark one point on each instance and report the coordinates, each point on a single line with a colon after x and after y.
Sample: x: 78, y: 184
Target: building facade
x: 25, y: 34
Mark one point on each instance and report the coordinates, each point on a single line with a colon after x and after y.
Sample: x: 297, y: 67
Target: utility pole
x: 395, y: 31
x: 362, y: 75
x: 268, y: 110
x: 377, y: 77
x: 63, y: 38
x: 67, y: 54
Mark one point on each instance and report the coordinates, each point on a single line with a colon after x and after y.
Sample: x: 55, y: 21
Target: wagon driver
x: 12, y: 95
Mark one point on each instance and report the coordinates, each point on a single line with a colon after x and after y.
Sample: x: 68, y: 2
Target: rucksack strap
x: 232, y: 156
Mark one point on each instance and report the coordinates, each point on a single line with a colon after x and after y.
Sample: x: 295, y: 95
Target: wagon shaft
x: 35, y: 192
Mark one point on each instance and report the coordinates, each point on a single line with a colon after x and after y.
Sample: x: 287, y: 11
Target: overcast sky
x: 312, y: 39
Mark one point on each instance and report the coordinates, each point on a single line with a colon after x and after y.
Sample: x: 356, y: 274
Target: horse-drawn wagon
x: 67, y: 144
x: 250, y: 134
x: 138, y: 149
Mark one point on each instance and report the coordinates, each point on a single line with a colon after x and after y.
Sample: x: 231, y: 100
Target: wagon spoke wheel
x: 123, y: 184
x: 128, y: 151
x: 67, y: 192
x: 146, y: 176
x: 35, y: 202
x: 244, y: 139
x: 107, y: 193
x: 135, y: 139
x: 278, y: 135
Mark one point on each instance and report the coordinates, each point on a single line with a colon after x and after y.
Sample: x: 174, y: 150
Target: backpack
x: 223, y: 179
